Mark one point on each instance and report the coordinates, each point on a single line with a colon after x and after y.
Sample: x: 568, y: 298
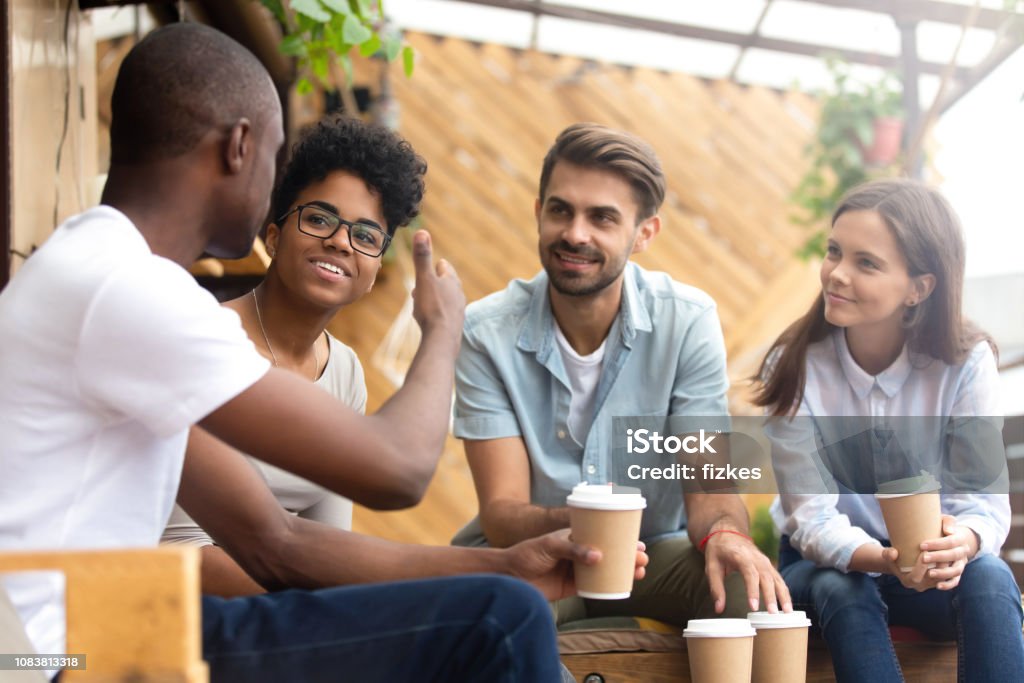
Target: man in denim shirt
x: 547, y: 364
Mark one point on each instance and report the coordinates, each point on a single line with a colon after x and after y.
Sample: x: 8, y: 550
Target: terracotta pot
x: 885, y: 145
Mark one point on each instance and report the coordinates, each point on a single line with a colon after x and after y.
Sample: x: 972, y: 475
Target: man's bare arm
x: 501, y: 474
x: 224, y: 495
x: 221, y: 575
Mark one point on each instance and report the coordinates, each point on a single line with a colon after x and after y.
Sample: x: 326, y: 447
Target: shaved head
x: 177, y: 84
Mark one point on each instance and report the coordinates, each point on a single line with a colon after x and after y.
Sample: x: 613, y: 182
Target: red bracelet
x: 702, y: 544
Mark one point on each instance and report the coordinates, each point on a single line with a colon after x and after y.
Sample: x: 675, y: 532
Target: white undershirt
x: 584, y: 373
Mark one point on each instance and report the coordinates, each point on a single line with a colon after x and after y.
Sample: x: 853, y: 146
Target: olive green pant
x: 674, y: 590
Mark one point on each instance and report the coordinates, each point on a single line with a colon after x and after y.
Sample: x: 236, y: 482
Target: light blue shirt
x: 664, y: 356
x: 824, y: 523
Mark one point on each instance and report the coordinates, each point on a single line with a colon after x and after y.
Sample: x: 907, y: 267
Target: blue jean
x: 854, y: 612
x: 464, y: 629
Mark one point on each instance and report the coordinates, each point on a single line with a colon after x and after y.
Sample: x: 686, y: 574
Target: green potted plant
x: 858, y: 137
x: 762, y: 530
x: 317, y: 31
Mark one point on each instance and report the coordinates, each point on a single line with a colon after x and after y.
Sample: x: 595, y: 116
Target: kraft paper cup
x: 912, y: 512
x: 608, y: 518
x: 780, y: 647
x: 720, y: 650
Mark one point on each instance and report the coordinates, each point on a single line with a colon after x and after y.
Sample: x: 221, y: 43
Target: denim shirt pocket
x: 636, y: 461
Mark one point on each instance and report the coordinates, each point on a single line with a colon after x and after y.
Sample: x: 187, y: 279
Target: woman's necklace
x: 259, y: 318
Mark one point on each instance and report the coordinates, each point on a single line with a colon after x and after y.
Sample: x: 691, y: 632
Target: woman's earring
x: 913, y: 314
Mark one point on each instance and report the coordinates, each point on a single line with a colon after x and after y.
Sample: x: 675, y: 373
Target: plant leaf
x: 865, y: 131
x: 408, y: 60
x: 319, y: 63
x: 354, y: 32
x: 338, y: 6
x: 303, y: 87
x: 311, y: 8
x: 293, y: 45
x: 346, y: 65
x: 370, y: 46
x: 392, y: 46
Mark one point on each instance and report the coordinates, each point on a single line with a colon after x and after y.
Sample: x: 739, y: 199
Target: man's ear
x: 646, y: 231
x: 239, y: 146
x: 536, y: 210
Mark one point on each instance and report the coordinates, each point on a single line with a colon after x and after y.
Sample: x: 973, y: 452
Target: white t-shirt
x: 343, y: 378
x: 584, y: 373
x: 109, y: 354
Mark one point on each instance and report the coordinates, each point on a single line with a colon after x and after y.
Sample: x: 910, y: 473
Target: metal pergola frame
x: 907, y: 14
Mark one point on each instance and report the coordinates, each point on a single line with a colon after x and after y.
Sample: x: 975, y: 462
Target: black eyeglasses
x: 321, y: 223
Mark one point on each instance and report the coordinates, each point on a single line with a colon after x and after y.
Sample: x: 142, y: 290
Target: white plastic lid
x: 605, y: 497
x: 922, y: 483
x: 718, y: 628
x: 760, y: 620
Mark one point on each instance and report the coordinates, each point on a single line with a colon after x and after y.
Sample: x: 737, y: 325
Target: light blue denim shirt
x: 664, y: 356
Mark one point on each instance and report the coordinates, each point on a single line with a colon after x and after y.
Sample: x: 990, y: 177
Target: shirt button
x: 561, y: 433
x: 591, y: 469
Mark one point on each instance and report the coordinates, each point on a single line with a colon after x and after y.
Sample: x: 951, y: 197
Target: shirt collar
x: 635, y: 316
x: 890, y: 380
x: 537, y: 331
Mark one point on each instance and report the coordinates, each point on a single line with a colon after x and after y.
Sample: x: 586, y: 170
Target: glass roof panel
x: 463, y: 20
x: 839, y: 27
x: 936, y: 42
x: 629, y: 46
x: 739, y: 16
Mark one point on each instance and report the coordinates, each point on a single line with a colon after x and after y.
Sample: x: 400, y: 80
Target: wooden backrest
x: 135, y: 614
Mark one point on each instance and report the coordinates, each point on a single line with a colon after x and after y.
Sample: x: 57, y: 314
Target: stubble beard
x: 577, y: 285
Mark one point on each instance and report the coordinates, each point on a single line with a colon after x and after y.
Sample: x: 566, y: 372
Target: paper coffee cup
x: 780, y: 648
x: 606, y: 517
x: 912, y: 511
x: 720, y: 650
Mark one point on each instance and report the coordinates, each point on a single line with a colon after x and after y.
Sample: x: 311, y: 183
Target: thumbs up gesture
x: 438, y: 299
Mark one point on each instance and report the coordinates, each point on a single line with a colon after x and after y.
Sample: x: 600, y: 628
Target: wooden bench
x: 666, y: 661
x: 135, y: 614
